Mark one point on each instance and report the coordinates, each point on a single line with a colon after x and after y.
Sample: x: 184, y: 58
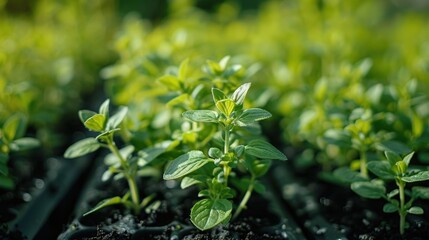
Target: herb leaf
x: 264, y: 150
x: 185, y: 164
x: 208, y: 213
x: 82, y: 147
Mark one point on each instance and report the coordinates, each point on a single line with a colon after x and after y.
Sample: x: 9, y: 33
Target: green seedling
x: 12, y: 140
x: 397, y: 169
x: 121, y: 162
x: 218, y: 170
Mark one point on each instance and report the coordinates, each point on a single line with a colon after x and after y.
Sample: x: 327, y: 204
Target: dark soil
x: 171, y: 218
x: 364, y: 219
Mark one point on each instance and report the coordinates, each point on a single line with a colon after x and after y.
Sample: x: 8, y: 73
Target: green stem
x: 226, y: 167
x: 402, y: 210
x: 246, y: 198
x: 363, y: 160
x: 130, y: 178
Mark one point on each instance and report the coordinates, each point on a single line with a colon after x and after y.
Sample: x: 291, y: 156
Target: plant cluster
x: 12, y: 140
x: 217, y: 170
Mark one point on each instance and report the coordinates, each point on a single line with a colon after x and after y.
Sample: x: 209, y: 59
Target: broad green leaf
x: 104, y: 108
x: 416, y: 210
x: 338, y: 137
x: 226, y: 106
x: 208, y: 213
x: 183, y: 69
x: 240, y: 94
x: 201, y: 115
x: 23, y: 144
x: 85, y: 115
x: 14, y: 127
x: 147, y: 155
x: 252, y: 115
x: 185, y: 164
x: 82, y: 147
x: 369, y: 189
x: 347, y: 175
x: 418, y: 177
x: 393, y: 193
x: 104, y: 203
x: 382, y: 169
x: 392, y: 157
x: 6, y: 182
x: 264, y: 150
x: 421, y: 192
x: 171, y: 82
x: 192, y: 180
x: 96, y: 123
x: 218, y: 95
x: 390, y: 208
x: 115, y: 120
x: 407, y: 159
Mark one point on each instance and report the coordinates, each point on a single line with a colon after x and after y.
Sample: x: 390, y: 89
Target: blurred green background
x: 313, y: 62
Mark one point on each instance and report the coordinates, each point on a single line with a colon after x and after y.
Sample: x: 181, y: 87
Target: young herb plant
x: 12, y: 140
x: 121, y: 162
x: 395, y: 168
x: 214, y: 170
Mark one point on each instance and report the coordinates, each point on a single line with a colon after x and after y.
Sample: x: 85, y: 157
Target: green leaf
x: 23, y: 144
x: 347, y: 175
x: 104, y: 203
x: 393, y: 146
x: 208, y: 213
x: 382, y: 169
x: 421, y: 192
x: 393, y: 193
x: 390, y: 208
x: 240, y: 94
x: 181, y: 99
x: 218, y: 95
x: 183, y: 69
x: 6, y: 182
x: 214, y: 67
x: 201, y: 115
x: 264, y: 150
x: 192, y: 180
x: 171, y: 82
x: 105, y: 135
x: 226, y: 106
x: 215, y: 152
x: 95, y: 123
x: 223, y: 62
x: 407, y: 158
x: 252, y: 115
x: 259, y: 187
x: 369, y: 189
x: 418, y: 177
x: 117, y: 118
x: 82, y: 147
x: 85, y: 115
x: 185, y: 164
x: 258, y: 167
x: 104, y: 108
x: 4, y: 158
x: 14, y: 127
x: 392, y: 157
x: 147, y: 155
x: 416, y: 210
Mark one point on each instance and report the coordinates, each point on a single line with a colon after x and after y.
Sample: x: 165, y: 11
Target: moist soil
x: 364, y: 219
x: 172, y: 216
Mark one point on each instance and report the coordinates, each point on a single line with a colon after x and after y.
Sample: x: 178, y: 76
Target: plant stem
x: 130, y: 178
x: 246, y: 198
x: 363, y: 160
x: 226, y: 168
x: 402, y: 210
